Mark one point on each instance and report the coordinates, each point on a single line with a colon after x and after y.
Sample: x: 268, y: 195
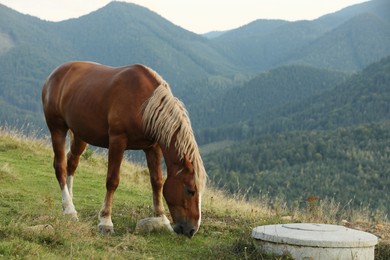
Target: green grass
x: 30, y: 195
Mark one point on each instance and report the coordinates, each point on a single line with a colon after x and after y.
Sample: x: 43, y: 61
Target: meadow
x: 30, y: 196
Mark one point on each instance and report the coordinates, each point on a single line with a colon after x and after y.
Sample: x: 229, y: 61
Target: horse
x: 125, y: 108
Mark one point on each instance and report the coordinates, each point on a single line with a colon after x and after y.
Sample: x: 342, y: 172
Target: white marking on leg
x: 69, y: 183
x: 105, y: 221
x: 105, y: 226
x: 67, y: 203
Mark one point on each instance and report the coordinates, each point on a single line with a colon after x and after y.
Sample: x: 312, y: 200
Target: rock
x: 147, y: 225
x: 42, y: 229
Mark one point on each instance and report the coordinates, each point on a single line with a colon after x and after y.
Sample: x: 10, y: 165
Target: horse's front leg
x: 153, y: 159
x: 116, y: 149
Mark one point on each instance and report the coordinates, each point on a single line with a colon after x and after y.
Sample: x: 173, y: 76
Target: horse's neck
x: 172, y: 159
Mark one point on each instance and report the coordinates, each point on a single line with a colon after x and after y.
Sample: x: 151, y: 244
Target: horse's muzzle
x: 186, y: 230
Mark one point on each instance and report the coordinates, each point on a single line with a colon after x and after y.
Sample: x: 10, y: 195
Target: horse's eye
x: 190, y: 192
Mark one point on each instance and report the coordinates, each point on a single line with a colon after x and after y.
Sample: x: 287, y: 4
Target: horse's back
x: 90, y: 98
x: 79, y: 76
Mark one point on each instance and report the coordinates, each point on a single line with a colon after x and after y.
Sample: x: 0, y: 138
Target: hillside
x: 378, y: 7
x: 362, y: 99
x: 264, y: 44
x: 264, y: 93
x: 27, y: 55
x: 347, y: 40
x: 197, y: 68
x: 138, y: 35
x: 352, y: 45
x: 350, y: 165
x: 25, y: 169
x: 334, y: 144
x: 308, y: 99
x: 117, y: 34
x: 259, y: 89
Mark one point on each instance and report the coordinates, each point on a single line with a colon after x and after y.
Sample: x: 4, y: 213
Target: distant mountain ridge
x: 333, y: 101
x: 195, y: 66
x: 380, y: 8
x: 123, y: 33
x: 270, y: 43
x: 361, y: 99
x: 347, y: 47
x: 266, y: 92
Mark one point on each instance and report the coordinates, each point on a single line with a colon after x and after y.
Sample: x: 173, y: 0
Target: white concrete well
x: 315, y: 241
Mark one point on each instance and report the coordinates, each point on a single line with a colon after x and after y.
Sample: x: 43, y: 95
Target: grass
x: 30, y: 195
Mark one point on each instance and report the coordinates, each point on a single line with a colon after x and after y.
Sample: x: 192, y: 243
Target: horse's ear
x: 188, y: 165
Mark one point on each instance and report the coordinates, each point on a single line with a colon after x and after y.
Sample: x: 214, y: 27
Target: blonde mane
x: 163, y: 116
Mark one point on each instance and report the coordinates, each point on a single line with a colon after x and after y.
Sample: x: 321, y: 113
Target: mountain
x: 195, y: 66
x: 263, y: 44
x: 117, y: 34
x: 264, y: 93
x: 333, y: 145
x: 307, y: 99
x: 380, y: 8
x: 362, y: 99
x: 213, y: 34
x: 303, y: 114
x: 27, y: 55
x: 349, y: 165
x: 137, y: 35
x: 329, y: 42
x: 352, y: 45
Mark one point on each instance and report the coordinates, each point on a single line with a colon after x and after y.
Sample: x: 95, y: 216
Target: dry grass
x: 227, y: 220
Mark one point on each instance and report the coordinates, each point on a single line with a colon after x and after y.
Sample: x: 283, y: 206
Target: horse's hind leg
x: 153, y: 159
x: 77, y: 147
x: 58, y: 138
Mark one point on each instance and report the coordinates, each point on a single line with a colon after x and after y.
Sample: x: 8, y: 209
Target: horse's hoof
x: 72, y: 216
x: 106, y: 229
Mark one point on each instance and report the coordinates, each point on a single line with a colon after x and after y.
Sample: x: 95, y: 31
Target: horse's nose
x: 180, y: 229
x: 191, y: 233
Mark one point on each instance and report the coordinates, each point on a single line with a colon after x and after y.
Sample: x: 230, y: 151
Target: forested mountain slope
x: 335, y: 144
x: 302, y: 129
x: 28, y: 53
x: 197, y: 68
x: 264, y: 93
x: 351, y: 165
x: 118, y: 34
x: 263, y: 44
x: 123, y: 33
x: 363, y: 98
x: 352, y: 45
x: 380, y: 8
x: 345, y: 40
x: 324, y: 105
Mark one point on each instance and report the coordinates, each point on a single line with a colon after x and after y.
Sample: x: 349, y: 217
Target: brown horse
x: 129, y: 107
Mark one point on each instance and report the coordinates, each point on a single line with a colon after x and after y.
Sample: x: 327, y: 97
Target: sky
x: 199, y: 16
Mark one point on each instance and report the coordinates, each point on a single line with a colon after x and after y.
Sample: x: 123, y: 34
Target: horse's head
x: 183, y: 199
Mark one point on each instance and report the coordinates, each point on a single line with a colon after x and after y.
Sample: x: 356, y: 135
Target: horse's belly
x: 96, y: 132
x: 91, y: 136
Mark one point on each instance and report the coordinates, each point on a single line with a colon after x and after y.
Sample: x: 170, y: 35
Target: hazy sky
x: 198, y: 16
